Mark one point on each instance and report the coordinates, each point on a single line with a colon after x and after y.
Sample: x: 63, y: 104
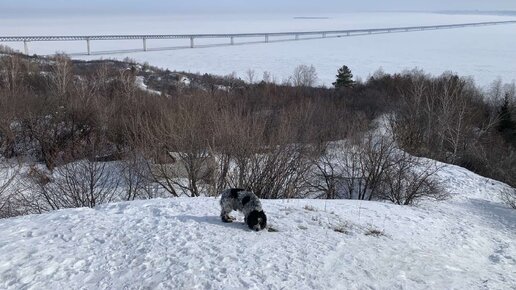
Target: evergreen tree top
x: 344, y: 78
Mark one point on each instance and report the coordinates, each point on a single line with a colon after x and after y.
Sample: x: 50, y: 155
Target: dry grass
x: 374, y: 232
x: 309, y: 208
x: 343, y: 228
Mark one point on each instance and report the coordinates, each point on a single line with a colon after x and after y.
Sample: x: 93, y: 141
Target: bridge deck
x: 265, y: 35
x: 234, y: 35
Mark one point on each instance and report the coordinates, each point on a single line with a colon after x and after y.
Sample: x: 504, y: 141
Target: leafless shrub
x: 366, y: 164
x: 374, y: 232
x: 373, y: 168
x: 343, y: 229
x: 355, y: 170
x: 268, y: 78
x: 127, y: 81
x: 276, y: 173
x: 250, y: 76
x: 447, y: 118
x: 261, y: 154
x: 232, y: 79
x: 304, y: 76
x: 6, y: 49
x: 8, y: 174
x: 440, y: 117
x: 334, y: 166
x: 13, y: 73
x: 509, y: 197
x: 410, y: 180
x: 82, y: 183
x: 183, y: 163
x: 61, y: 76
x: 136, y: 177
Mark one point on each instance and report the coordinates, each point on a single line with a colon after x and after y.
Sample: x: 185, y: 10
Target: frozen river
x: 484, y: 53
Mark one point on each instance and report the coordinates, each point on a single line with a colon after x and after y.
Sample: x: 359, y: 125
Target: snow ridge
x: 180, y: 243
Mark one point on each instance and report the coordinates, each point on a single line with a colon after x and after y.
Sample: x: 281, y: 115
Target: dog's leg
x: 227, y: 219
x: 224, y: 214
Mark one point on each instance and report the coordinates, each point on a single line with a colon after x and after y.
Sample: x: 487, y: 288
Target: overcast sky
x: 294, y: 6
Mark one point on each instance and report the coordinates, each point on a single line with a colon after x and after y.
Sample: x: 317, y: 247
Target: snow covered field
x: 485, y: 53
x: 466, y: 242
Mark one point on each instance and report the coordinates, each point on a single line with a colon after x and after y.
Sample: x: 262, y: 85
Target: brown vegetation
x: 277, y: 140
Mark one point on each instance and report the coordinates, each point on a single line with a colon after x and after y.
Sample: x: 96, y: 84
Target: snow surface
x: 466, y: 242
x: 141, y: 84
x: 485, y: 53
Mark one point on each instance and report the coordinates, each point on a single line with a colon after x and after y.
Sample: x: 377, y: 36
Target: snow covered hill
x: 466, y: 242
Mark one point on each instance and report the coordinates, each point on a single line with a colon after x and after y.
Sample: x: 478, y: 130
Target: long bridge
x: 265, y: 36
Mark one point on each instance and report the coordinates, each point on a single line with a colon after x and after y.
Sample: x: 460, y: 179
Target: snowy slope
x: 466, y: 242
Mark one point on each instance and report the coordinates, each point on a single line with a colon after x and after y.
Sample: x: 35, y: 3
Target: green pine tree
x: 344, y: 78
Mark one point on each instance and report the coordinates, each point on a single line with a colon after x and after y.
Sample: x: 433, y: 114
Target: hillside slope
x: 466, y: 242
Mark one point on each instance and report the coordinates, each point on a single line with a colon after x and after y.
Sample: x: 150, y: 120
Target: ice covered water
x: 484, y: 53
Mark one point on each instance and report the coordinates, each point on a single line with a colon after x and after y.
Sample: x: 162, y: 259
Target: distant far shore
x: 310, y: 17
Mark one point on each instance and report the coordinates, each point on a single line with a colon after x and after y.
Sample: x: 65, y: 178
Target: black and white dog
x: 247, y: 203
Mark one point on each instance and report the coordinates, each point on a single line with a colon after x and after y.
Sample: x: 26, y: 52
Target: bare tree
x: 8, y: 174
x: 7, y: 49
x: 509, y: 197
x: 12, y: 76
x: 411, y: 180
x: 136, y: 177
x: 82, y: 183
x: 250, y: 76
x: 438, y: 115
x: 373, y: 168
x: 304, y: 76
x: 274, y: 173
x: 181, y: 140
x: 330, y: 170
x: 257, y: 151
x: 128, y: 85
x: 267, y: 77
x: 61, y: 76
x: 14, y: 73
x: 232, y: 79
x: 335, y: 171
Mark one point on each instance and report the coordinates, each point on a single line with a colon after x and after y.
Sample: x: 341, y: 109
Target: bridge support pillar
x: 144, y: 44
x: 26, y: 47
x: 192, y: 44
x: 347, y: 33
x: 88, y: 50
x: 297, y: 36
x: 324, y: 35
x: 232, y: 40
x: 266, y: 38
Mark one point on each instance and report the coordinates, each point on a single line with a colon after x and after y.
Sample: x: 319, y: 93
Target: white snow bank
x: 141, y: 84
x: 466, y: 242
